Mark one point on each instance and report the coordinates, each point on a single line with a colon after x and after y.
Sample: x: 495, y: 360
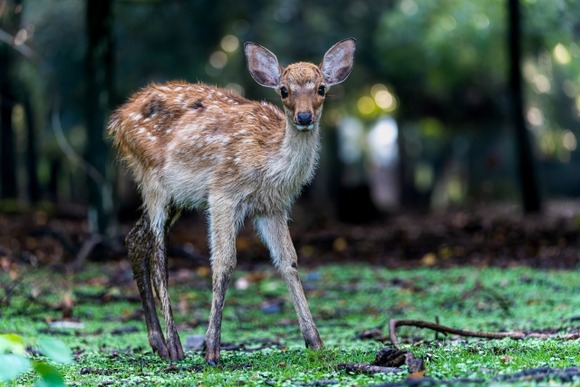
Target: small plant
x: 15, y: 360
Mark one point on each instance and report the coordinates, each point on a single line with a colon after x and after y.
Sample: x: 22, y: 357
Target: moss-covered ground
x: 98, y: 315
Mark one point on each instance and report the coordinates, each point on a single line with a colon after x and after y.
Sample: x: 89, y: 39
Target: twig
x: 92, y: 172
x: 367, y: 368
x: 68, y: 150
x: 20, y: 47
x: 394, y: 323
x: 86, y: 249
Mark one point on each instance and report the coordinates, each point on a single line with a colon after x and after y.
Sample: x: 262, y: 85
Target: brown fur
x: 194, y: 145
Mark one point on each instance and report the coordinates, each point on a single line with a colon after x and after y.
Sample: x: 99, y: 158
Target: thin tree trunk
x: 33, y: 186
x: 99, y: 84
x: 8, y: 186
x: 10, y: 22
x: 528, y: 181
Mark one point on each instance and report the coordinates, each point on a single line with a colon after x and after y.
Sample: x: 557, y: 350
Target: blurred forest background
x: 451, y: 103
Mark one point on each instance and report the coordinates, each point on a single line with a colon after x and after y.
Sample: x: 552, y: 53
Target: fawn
x: 194, y: 145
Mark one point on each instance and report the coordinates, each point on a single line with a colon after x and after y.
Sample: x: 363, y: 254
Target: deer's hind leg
x: 140, y: 246
x: 160, y: 280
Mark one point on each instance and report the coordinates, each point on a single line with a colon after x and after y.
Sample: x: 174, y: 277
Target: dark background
x: 452, y: 104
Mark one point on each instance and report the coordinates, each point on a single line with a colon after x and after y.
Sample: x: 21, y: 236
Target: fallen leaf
x: 416, y: 375
x: 66, y: 324
x: 203, y: 271
x: 507, y: 359
x: 429, y: 259
x: 242, y: 283
x: 339, y: 245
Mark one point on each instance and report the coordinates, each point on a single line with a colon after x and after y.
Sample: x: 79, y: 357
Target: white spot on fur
x: 135, y: 116
x: 179, y: 99
x: 114, y: 124
x: 171, y: 147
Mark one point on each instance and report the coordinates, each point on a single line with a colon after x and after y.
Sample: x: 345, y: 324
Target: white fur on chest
x: 257, y: 186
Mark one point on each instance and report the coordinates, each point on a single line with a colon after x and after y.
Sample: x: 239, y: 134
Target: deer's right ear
x: 262, y: 65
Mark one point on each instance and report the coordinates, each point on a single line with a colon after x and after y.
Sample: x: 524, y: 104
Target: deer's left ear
x: 338, y: 61
x: 262, y: 65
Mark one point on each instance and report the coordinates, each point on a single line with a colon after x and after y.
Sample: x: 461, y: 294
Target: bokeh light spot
x: 218, y: 59
x: 561, y: 54
x: 230, y: 43
x: 366, y: 105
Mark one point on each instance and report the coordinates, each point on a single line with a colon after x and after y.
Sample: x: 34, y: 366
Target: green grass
x: 112, y: 348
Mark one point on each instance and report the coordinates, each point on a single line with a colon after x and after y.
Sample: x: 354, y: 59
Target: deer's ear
x: 262, y: 65
x: 338, y: 61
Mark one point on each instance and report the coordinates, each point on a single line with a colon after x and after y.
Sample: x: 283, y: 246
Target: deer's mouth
x: 305, y: 128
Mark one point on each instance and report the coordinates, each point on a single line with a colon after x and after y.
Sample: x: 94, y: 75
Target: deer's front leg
x: 275, y: 234
x: 140, y: 245
x: 223, y: 231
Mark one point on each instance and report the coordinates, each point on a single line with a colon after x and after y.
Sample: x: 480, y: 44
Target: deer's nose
x: 304, y: 118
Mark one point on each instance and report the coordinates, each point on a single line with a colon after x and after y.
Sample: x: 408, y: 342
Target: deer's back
x: 194, y: 138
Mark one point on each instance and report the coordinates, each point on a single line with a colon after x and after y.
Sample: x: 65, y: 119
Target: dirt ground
x: 488, y: 235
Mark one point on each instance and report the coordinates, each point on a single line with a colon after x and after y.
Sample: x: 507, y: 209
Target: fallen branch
x: 394, y: 323
x: 565, y: 375
x: 388, y: 360
x: 361, y: 368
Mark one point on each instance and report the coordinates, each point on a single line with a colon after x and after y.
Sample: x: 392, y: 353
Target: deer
x: 196, y: 146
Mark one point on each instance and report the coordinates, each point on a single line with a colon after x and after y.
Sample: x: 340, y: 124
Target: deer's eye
x: 283, y: 92
x: 321, y: 90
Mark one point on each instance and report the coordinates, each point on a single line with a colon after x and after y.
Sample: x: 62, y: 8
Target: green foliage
x: 55, y: 349
x: 113, y: 348
x: 443, y: 50
x: 454, y: 52
x: 49, y: 376
x: 14, y: 360
x: 444, y: 60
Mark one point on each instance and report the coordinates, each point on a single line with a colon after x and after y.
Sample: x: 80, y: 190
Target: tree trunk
x: 99, y: 85
x: 33, y: 186
x: 528, y: 181
x: 9, y: 22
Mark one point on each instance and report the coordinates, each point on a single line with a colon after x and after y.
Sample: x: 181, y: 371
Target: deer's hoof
x: 176, y: 355
x: 159, y: 346
x: 212, y: 358
x: 175, y: 349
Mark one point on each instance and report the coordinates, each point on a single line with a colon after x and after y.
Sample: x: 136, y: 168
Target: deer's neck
x: 295, y: 161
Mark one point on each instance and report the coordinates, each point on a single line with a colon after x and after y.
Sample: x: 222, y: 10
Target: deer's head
x: 302, y: 86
